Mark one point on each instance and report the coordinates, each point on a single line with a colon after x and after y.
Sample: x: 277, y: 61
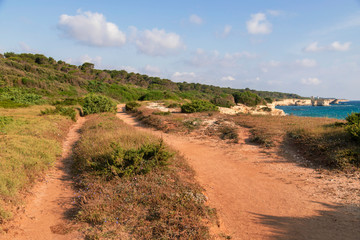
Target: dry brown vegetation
x: 323, y: 141
x: 164, y: 203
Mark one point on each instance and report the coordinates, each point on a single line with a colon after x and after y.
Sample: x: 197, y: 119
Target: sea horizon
x: 338, y: 111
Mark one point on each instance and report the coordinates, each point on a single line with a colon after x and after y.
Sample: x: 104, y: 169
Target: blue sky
x: 305, y: 47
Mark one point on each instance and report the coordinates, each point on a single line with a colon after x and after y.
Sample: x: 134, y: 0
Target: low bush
x: 261, y: 138
x: 67, y: 102
x: 19, y: 96
x: 346, y: 157
x: 97, y: 104
x: 64, y: 111
x: 132, y: 106
x: 223, y: 102
x: 129, y: 162
x: 173, y: 105
x: 192, y: 124
x: 157, y: 95
x: 248, y: 98
x: 229, y: 132
x: 162, y: 113
x: 353, y: 125
x: 198, y: 106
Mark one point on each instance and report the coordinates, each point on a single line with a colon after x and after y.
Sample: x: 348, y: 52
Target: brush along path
x: 260, y: 196
x: 46, y: 214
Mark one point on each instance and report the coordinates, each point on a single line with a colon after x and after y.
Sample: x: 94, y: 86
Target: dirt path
x: 264, y: 197
x: 45, y: 215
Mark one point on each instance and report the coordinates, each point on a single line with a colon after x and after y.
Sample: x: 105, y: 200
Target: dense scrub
x: 97, y: 104
x: 34, y: 78
x: 248, y: 98
x: 64, y: 111
x: 132, y: 186
x: 132, y: 106
x: 353, y: 125
x: 198, y: 106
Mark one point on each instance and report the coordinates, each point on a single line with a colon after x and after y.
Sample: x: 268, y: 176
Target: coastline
x: 337, y: 111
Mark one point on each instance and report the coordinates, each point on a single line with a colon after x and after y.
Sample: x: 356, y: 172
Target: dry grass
x: 29, y: 145
x: 162, y: 204
x: 323, y: 141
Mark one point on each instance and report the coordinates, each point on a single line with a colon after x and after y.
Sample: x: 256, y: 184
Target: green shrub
x: 11, y: 104
x: 131, y: 162
x: 98, y: 103
x: 162, y: 113
x: 248, y: 98
x: 345, y: 157
x: 132, y: 106
x: 67, y: 102
x: 157, y: 95
x: 198, y: 106
x: 192, y: 124
x: 353, y: 125
x: 64, y: 111
x: 222, y: 102
x: 229, y: 132
x: 173, y: 105
x: 20, y: 96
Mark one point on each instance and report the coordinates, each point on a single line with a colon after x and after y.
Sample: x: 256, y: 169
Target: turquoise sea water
x: 339, y: 111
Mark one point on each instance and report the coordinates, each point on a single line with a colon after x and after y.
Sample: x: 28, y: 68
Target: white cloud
x: 306, y: 62
x: 335, y: 46
x: 313, y: 47
x: 196, y: 19
x: 258, y: 24
x: 151, y: 70
x: 129, y: 69
x: 157, y: 42
x: 228, y: 78
x: 202, y: 58
x: 91, y: 29
x: 183, y: 76
x: 310, y: 81
x: 227, y: 30
x: 26, y: 48
x: 85, y: 58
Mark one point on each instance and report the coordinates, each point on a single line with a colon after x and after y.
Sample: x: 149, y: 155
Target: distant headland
x: 309, y: 102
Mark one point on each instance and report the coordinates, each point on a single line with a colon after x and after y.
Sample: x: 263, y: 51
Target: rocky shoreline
x: 308, y: 102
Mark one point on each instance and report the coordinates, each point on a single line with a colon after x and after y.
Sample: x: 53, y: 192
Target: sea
x: 339, y: 111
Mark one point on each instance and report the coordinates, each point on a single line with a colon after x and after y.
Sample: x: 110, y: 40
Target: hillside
x: 34, y: 78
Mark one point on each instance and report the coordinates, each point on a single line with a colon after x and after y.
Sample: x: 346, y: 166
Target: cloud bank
x: 91, y: 29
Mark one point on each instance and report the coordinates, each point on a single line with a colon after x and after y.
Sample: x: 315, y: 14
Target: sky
x: 311, y: 48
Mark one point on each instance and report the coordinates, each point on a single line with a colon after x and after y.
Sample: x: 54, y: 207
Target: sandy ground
x: 260, y: 195
x: 46, y: 214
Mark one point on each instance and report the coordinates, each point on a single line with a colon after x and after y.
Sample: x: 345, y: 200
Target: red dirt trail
x: 45, y: 215
x: 260, y: 196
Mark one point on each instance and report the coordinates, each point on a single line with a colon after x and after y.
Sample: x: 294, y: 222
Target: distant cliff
x: 308, y: 102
